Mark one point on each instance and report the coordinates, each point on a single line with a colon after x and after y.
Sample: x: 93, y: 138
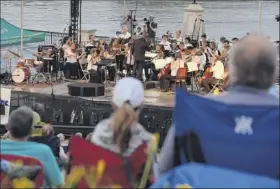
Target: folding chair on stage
x: 222, y: 145
x: 219, y: 84
x: 28, y: 167
x: 118, y: 171
x: 85, y: 72
x: 181, y: 77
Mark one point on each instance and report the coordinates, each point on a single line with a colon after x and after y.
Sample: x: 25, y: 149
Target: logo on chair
x: 243, y: 125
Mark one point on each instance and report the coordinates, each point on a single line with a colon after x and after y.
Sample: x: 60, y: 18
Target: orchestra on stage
x: 176, y: 60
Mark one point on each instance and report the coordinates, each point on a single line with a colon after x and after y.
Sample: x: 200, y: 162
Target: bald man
x: 253, y: 69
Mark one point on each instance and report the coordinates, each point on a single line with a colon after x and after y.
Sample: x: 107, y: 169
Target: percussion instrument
x: 20, y: 63
x: 159, y: 63
x: 21, y: 74
x: 29, y: 62
x: 48, y: 59
x: 38, y: 63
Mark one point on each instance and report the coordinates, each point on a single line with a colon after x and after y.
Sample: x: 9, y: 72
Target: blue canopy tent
x: 11, y: 35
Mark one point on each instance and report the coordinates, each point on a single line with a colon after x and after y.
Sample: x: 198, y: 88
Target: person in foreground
x: 253, y: 70
x: 121, y: 133
x: 20, y: 127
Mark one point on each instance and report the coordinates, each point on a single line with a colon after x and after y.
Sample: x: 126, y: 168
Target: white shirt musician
x: 178, y: 37
x: 218, y: 74
x: 93, y: 59
x: 166, y: 44
x: 125, y: 34
x: 72, y: 65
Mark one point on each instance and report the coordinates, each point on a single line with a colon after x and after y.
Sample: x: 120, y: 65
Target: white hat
x: 128, y: 89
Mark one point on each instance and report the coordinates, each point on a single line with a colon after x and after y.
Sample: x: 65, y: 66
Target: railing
x: 55, y: 37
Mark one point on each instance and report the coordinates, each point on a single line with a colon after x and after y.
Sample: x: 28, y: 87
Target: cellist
x: 213, y: 74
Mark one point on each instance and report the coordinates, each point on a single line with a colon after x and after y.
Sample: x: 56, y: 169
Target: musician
x: 139, y: 48
x: 225, y: 51
x: 175, y: 64
x: 93, y: 60
x: 125, y: 34
x: 72, y: 66
x: 188, y: 44
x: 178, y: 37
x: 203, y: 42
x: 217, y: 69
x: 92, y: 41
x: 213, y: 49
x: 129, y: 59
x: 67, y: 44
x: 160, y: 51
x: 166, y: 44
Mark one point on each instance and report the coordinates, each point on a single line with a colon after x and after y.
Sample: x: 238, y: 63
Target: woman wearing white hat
x: 121, y: 133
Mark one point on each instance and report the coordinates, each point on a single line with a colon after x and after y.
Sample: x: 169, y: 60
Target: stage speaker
x: 149, y: 85
x: 86, y: 89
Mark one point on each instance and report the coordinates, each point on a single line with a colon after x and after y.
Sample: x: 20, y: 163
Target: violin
x: 206, y: 75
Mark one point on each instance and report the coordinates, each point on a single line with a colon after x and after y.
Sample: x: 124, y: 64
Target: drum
x: 20, y: 74
x: 38, y: 64
x: 29, y: 62
x: 20, y: 63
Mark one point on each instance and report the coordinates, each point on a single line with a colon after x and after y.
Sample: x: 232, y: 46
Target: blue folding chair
x: 238, y: 137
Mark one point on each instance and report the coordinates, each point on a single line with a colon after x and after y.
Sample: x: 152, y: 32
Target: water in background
x: 222, y: 18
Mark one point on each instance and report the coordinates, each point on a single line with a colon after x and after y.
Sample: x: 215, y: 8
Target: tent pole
x: 260, y: 17
x: 21, y: 27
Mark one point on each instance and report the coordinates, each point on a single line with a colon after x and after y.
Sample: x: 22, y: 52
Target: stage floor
x: 152, y: 96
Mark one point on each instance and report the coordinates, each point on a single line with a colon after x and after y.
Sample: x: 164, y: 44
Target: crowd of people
x: 253, y: 69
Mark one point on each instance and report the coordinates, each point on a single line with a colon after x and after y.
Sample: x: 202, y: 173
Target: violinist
x: 217, y: 70
x: 93, y: 60
x: 159, y: 51
x: 72, y: 66
x: 114, y: 47
x: 175, y: 64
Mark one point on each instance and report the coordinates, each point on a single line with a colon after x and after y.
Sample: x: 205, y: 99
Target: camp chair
x: 118, y: 171
x: 242, y: 138
x: 27, y: 161
x: 85, y: 72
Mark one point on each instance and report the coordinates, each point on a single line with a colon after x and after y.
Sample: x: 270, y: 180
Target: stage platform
x: 153, y: 97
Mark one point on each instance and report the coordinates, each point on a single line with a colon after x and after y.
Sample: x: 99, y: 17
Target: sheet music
x: 192, y: 66
x: 159, y: 63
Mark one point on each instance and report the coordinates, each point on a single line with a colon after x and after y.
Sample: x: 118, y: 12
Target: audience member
x: 253, y: 70
x: 79, y: 135
x: 20, y: 127
x: 121, y: 133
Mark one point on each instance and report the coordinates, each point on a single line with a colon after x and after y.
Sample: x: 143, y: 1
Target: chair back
x: 244, y: 138
x: 181, y: 73
x: 118, y: 170
x: 29, y: 161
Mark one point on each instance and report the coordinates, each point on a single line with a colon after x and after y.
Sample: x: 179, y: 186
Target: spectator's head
x: 222, y: 39
x: 253, y: 63
x: 88, y: 137
x: 128, y: 99
x: 20, y: 123
x: 79, y: 135
x: 61, y: 137
x: 47, y: 130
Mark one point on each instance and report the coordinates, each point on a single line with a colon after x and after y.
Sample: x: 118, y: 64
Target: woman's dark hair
x: 204, y: 35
